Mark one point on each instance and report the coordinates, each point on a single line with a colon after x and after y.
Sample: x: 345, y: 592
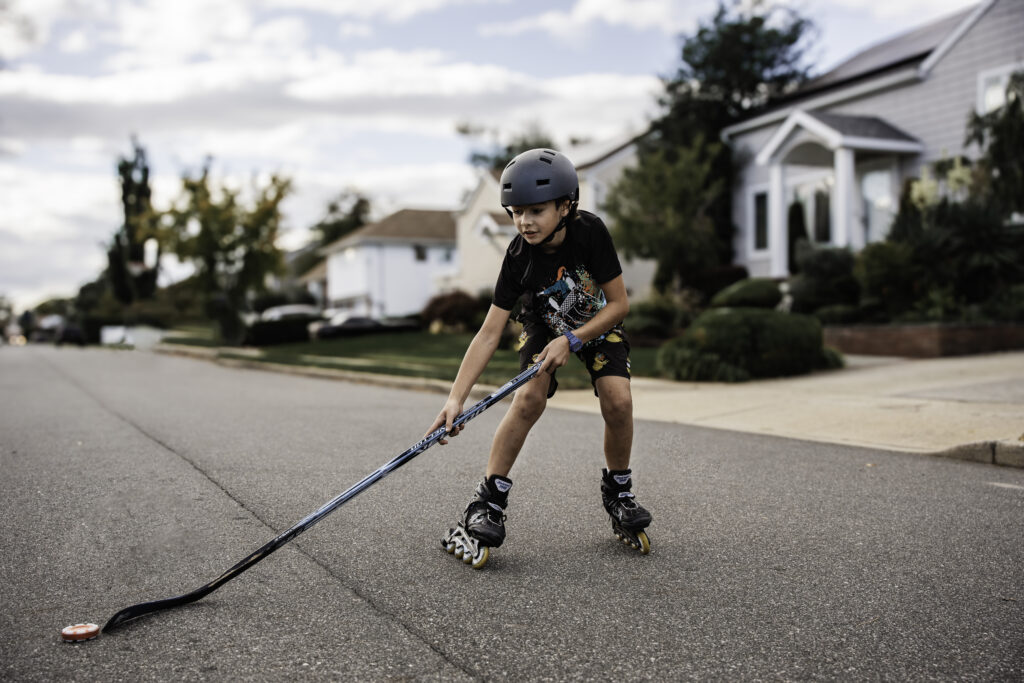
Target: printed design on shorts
x: 629, y: 369
x: 523, y: 338
x: 613, y: 337
x: 600, y: 360
x: 535, y: 357
x: 572, y: 300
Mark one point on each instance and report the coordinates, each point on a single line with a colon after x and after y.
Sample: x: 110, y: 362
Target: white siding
x: 935, y: 111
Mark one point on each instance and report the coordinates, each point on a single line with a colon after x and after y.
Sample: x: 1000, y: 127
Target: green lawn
x: 416, y: 354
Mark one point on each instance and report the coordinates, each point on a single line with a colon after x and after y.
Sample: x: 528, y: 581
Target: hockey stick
x: 141, y: 609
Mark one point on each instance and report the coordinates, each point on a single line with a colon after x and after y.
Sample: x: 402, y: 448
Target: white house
x: 846, y: 142
x: 389, y: 268
x: 484, y: 229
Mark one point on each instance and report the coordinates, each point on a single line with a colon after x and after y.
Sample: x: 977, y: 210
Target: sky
x: 335, y: 94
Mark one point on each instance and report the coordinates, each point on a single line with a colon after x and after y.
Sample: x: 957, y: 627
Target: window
x: 992, y: 87
x: 876, y: 190
x: 760, y: 221
x: 420, y: 251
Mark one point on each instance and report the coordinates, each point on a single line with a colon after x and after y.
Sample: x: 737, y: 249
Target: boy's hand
x: 452, y: 409
x: 554, y: 355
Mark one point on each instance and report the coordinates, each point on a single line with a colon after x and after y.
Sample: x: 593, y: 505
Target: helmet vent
x: 507, y: 186
x: 546, y: 160
x: 543, y: 181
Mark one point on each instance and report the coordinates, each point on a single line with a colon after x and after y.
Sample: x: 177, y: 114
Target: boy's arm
x: 556, y: 353
x: 479, y: 353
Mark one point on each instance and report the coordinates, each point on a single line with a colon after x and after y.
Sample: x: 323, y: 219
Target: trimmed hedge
x: 753, y: 292
x: 739, y: 344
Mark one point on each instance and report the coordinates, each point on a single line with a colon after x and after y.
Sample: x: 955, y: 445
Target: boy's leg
x: 527, y: 407
x: 617, y: 409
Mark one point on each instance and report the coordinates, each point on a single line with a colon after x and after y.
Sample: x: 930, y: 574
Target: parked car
x: 343, y: 325
x: 290, y: 312
x: 282, y: 325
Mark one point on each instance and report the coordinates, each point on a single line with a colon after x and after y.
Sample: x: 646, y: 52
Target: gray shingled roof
x: 861, y: 126
x: 906, y: 48
x: 409, y: 225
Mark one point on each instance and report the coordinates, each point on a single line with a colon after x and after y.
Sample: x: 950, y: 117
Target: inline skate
x: 482, y: 526
x: 629, y: 518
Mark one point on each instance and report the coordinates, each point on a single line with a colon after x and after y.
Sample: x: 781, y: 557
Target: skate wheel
x: 645, y: 543
x: 481, y: 558
x: 450, y: 547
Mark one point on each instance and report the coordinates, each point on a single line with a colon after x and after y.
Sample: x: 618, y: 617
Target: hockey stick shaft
x: 134, y: 611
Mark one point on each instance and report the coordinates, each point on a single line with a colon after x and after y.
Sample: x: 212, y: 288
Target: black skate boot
x: 482, y: 525
x: 629, y: 518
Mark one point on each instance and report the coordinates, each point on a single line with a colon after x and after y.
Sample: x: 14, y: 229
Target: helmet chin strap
x: 558, y: 228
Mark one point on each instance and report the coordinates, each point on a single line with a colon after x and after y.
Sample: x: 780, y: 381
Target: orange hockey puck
x: 79, y: 632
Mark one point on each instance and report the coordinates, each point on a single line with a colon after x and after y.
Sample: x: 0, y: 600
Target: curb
x: 436, y: 386
x: 1003, y: 453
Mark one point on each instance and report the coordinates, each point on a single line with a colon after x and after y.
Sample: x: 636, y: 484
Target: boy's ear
x: 563, y: 208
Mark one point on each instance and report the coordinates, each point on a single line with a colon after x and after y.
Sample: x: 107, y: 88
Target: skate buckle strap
x: 621, y: 479
x: 626, y: 494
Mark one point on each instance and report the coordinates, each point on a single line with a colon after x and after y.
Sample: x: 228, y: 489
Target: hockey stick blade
x: 141, y: 609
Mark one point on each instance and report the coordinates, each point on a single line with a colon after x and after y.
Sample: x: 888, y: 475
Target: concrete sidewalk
x: 966, y: 407
x: 969, y: 407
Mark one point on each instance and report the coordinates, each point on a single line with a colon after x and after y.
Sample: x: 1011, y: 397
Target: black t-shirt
x: 563, y: 286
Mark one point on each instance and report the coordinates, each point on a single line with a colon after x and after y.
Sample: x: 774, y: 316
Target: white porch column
x: 778, y: 245
x: 843, y: 206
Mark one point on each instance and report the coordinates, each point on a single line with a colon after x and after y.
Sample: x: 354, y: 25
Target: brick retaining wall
x: 931, y: 340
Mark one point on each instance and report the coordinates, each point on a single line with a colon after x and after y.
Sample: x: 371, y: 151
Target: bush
x: 838, y: 314
x: 1007, y: 306
x: 735, y: 344
x: 826, y: 278
x: 888, y: 276
x: 661, y: 315
x: 454, y: 309
x: 749, y: 293
x: 713, y: 280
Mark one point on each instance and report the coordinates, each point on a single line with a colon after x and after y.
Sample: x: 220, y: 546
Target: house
x: 389, y: 268
x: 484, y: 229
x: 846, y: 142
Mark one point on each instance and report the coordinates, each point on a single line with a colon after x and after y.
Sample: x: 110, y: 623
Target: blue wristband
x: 574, y: 342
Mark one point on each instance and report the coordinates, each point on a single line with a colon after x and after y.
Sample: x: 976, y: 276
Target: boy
x: 563, y: 260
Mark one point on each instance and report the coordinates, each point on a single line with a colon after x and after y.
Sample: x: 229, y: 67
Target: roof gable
x: 901, y: 60
x: 406, y: 225
x: 836, y: 130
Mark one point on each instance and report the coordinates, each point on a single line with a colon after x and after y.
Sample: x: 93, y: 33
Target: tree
x: 746, y: 57
x: 1000, y: 133
x: 129, y: 275
x: 497, y: 157
x: 345, y: 213
x: 678, y: 234
x: 231, y: 245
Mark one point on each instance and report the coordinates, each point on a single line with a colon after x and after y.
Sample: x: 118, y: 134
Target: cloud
x: 668, y: 16
x: 392, y: 10
x: 922, y: 9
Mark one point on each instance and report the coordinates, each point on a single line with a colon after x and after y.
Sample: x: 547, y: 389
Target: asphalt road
x: 128, y: 476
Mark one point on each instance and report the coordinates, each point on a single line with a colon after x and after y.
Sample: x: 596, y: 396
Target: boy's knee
x: 530, y: 401
x: 617, y: 406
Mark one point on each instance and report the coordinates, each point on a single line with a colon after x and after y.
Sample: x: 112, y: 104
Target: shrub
x: 735, y: 344
x: 826, y: 278
x: 713, y: 280
x: 750, y: 293
x: 838, y: 314
x: 454, y: 309
x: 888, y: 276
x: 661, y: 315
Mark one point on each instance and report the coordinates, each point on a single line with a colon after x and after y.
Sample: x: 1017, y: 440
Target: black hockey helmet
x: 537, y: 176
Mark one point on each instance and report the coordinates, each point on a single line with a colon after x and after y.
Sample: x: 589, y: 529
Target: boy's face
x: 536, y: 221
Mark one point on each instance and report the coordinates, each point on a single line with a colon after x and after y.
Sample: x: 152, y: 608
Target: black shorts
x: 607, y: 358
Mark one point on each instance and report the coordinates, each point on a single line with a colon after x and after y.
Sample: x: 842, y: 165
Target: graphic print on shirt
x: 572, y: 300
